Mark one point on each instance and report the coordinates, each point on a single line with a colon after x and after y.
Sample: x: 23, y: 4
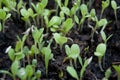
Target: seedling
x: 105, y: 4
x: 59, y: 39
x: 14, y: 69
x: 67, y: 25
x: 39, y: 8
x: 107, y: 74
x: 101, y: 23
x: 117, y: 69
x: 100, y: 52
x: 73, y: 52
x: 114, y: 6
x: 46, y: 51
x: 4, y: 16
x: 73, y: 72
x: 103, y: 35
x: 54, y: 22
x: 84, y: 12
x: 26, y: 14
x: 10, y: 4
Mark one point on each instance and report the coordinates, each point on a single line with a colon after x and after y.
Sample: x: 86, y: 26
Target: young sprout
x: 73, y: 52
x: 10, y: 4
x: 114, y: 6
x: 105, y: 4
x: 60, y: 39
x: 14, y: 69
x: 103, y: 35
x: 54, y: 23
x: 84, y: 12
x: 46, y: 51
x: 107, y: 74
x: 100, y: 52
x: 73, y: 72
x: 101, y: 23
x: 67, y: 25
x: 3, y: 17
x: 26, y: 14
x: 117, y: 69
x: 39, y: 8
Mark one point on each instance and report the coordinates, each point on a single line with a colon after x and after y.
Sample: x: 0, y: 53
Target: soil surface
x: 15, y: 27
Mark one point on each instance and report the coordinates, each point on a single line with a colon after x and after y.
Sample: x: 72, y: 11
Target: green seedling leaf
x: 73, y: 10
x: 59, y: 2
x: 66, y: 10
x: 103, y: 36
x: 117, y: 69
x: 59, y: 38
x: 76, y: 19
x: 92, y: 13
x: 54, y: 21
x: 29, y: 71
x: 72, y: 52
x: 7, y: 16
x: 6, y: 72
x: 100, y: 50
x: 102, y: 22
x: 34, y: 49
x: 84, y: 9
x: 75, y: 50
x: 72, y: 72
x: 108, y: 73
x: 38, y: 74
x: 44, y: 3
x: 2, y: 14
x: 34, y: 62
x: 114, y: 4
x: 22, y: 74
x: 66, y: 3
x: 19, y: 55
x: 37, y: 34
x: 14, y: 67
x: 48, y: 55
x: 67, y: 25
x: 18, y: 46
x: 105, y: 4
x: 67, y: 50
x: 11, y: 55
x: 19, y: 5
x: 86, y: 63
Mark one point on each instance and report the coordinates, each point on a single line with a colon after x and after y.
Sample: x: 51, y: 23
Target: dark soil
x: 16, y: 27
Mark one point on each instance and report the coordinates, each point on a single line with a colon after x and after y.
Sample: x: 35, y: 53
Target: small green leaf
x: 102, y: 22
x: 114, y: 4
x: 29, y: 71
x: 22, y: 74
x: 38, y: 74
x: 5, y: 72
x: 54, y: 21
x: 59, y: 38
x: 72, y: 72
x: 44, y: 2
x: 76, y: 19
x: 103, y: 36
x: 67, y: 25
x: 117, y: 68
x: 75, y: 50
x: 14, y: 67
x: 84, y: 9
x: 11, y: 54
x: 101, y: 49
x: 2, y: 14
x: 67, y: 50
x: 66, y: 10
